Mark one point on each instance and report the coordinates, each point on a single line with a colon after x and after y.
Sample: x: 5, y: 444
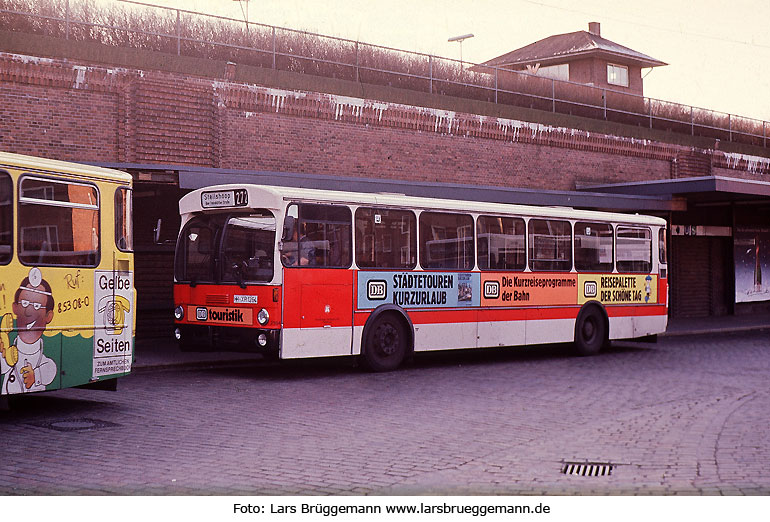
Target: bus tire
x: 591, y: 331
x: 386, y: 343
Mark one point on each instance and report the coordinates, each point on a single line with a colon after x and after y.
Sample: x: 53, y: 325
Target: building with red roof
x: 581, y: 57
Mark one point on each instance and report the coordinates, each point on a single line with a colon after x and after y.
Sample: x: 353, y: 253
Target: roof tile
x: 554, y: 49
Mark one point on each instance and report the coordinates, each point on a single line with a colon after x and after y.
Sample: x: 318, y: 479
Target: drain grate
x: 588, y: 469
x: 83, y: 424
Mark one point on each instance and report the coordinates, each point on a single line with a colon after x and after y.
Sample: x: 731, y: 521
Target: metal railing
x: 148, y: 26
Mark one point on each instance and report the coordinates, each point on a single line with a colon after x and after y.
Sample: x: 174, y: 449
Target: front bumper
x: 210, y: 338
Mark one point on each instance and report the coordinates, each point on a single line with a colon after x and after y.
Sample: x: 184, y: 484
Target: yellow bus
x: 67, y: 297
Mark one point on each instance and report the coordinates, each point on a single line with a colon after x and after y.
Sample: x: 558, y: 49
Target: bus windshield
x: 227, y: 248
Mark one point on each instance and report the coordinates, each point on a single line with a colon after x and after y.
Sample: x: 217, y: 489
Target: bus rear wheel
x: 386, y: 343
x: 590, y: 331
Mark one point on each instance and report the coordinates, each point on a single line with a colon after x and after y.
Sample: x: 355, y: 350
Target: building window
x: 617, y: 75
x: 554, y: 72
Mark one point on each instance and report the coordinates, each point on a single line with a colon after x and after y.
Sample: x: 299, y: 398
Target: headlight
x: 178, y: 313
x: 263, y: 317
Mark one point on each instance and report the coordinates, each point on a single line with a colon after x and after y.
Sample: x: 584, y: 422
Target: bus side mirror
x: 156, y: 232
x: 288, y: 228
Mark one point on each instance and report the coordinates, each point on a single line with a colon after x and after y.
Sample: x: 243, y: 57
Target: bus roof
x: 276, y: 198
x: 21, y: 161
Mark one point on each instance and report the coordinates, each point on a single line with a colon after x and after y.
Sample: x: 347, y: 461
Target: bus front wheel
x: 386, y: 343
x: 591, y: 333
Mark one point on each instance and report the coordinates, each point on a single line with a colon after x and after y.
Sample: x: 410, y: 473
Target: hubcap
x: 387, y: 339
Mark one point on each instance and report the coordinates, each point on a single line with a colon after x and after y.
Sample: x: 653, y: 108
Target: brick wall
x: 85, y: 112
x: 343, y: 136
x: 273, y: 142
x: 174, y: 122
x: 68, y: 124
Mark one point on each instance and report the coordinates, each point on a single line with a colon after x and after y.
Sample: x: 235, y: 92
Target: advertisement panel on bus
x: 453, y: 289
x: 45, y: 309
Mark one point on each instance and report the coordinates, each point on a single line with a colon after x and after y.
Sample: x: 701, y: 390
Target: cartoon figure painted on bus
x: 24, y: 366
x: 647, y: 288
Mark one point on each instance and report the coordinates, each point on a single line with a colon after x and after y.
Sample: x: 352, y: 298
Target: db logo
x: 201, y: 314
x: 376, y: 290
x: 590, y: 289
x: 491, y: 289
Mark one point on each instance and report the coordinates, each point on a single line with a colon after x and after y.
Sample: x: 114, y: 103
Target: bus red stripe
x: 514, y: 314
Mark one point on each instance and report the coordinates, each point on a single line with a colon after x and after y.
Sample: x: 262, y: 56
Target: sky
x: 718, y: 52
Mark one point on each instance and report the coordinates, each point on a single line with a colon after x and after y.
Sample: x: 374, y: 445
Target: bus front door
x: 317, y: 313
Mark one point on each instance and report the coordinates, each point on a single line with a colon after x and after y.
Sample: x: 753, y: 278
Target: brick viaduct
x: 175, y: 111
x: 94, y: 113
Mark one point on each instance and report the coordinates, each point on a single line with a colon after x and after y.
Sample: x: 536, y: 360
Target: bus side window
x: 501, y: 243
x: 593, y: 247
x: 6, y: 218
x: 550, y: 245
x: 123, y: 220
x: 662, y: 246
x: 634, y: 249
x: 58, y: 222
x: 446, y: 241
x: 322, y: 237
x: 386, y: 238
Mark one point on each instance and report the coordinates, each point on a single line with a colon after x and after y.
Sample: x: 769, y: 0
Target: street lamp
x: 245, y: 13
x: 460, y: 39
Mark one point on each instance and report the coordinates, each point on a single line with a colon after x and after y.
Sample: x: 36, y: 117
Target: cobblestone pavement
x: 689, y: 415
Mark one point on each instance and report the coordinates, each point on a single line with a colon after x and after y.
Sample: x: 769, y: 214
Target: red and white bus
x: 314, y: 273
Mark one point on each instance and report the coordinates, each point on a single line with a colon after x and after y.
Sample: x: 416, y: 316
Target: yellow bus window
x: 58, y: 223
x: 6, y: 218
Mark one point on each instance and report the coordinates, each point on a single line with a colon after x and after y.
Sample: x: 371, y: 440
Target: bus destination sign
x: 225, y: 198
